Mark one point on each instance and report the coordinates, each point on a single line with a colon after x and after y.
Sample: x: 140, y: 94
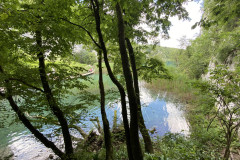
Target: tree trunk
x: 229, y: 140
x: 142, y: 127
x: 33, y: 130
x: 113, y: 78
x: 135, y: 145
x: 51, y: 101
x: 227, y: 152
x: 106, y: 128
x: 28, y: 124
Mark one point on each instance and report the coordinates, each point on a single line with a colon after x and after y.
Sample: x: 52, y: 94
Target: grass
x: 95, y: 66
x: 177, y: 89
x: 201, y: 143
x: 207, y: 143
x: 93, y: 85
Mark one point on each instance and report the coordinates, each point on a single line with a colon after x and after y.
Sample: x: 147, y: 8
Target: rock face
x: 211, y: 67
x: 231, y: 62
x: 6, y: 154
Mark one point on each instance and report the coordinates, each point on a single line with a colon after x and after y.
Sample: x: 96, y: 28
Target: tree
x: 219, y: 44
x: 142, y: 127
x: 34, y: 19
x: 96, y: 8
x: 224, y: 88
x: 8, y: 95
x: 106, y: 128
x: 153, y: 68
x: 135, y: 145
x: 199, y: 55
x: 85, y: 57
x: 219, y: 41
x: 52, y: 28
x: 136, y: 20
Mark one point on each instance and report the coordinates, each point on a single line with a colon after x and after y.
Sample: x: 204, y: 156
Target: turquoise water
x: 160, y: 115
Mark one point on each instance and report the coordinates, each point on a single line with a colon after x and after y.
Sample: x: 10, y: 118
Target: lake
x: 162, y: 115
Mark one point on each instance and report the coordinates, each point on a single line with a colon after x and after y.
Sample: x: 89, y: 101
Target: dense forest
x: 59, y: 58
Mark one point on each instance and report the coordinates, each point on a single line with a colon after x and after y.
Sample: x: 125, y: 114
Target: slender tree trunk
x: 229, y: 140
x: 135, y: 144
x: 112, y: 77
x: 106, y: 128
x: 142, y: 126
x: 33, y: 130
x: 28, y: 124
x: 227, y: 152
x: 51, y: 101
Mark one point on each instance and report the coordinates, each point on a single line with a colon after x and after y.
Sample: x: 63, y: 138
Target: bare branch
x: 212, y: 119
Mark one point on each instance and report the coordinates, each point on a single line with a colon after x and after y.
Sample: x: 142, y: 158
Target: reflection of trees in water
x: 7, y: 116
x: 8, y: 125
x: 6, y: 153
x: 155, y: 92
x: 162, y: 112
x: 154, y: 111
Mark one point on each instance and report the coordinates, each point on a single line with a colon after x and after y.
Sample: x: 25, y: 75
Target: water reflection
x: 160, y: 117
x: 155, y: 116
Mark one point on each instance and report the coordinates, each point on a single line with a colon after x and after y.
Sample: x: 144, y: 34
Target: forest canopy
x: 43, y: 77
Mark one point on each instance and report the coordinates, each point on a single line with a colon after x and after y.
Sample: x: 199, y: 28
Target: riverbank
x: 206, y: 134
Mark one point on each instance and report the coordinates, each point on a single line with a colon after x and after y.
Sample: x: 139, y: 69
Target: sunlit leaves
x: 152, y: 69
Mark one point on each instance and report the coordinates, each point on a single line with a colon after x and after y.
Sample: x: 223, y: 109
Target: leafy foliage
x: 85, y: 57
x: 223, y: 88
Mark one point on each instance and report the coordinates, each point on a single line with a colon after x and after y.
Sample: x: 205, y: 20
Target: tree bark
x: 33, y: 130
x: 112, y: 77
x: 28, y: 124
x: 106, y: 128
x: 229, y: 140
x: 135, y: 144
x: 49, y: 96
x: 142, y: 126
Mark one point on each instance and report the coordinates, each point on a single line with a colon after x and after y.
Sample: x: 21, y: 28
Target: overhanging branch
x: 25, y: 83
x: 66, y: 20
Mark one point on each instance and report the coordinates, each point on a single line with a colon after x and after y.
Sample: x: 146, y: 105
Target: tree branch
x: 2, y: 94
x: 66, y: 20
x: 79, y: 129
x: 212, y: 119
x: 27, y: 84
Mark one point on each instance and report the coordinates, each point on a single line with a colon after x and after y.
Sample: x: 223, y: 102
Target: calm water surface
x: 159, y: 114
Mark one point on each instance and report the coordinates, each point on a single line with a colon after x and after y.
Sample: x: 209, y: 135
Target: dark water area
x: 162, y: 116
